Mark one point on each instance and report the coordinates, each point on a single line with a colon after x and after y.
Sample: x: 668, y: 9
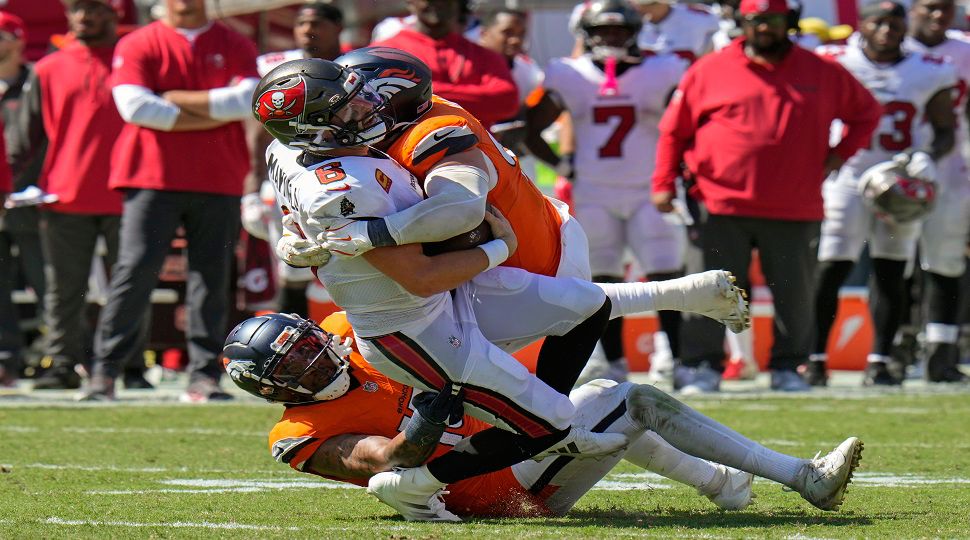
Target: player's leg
x: 514, y: 307
x: 843, y: 235
x: 148, y: 225
x: 890, y: 246
x: 659, y: 242
x: 607, y: 238
x: 602, y: 406
x: 942, y: 243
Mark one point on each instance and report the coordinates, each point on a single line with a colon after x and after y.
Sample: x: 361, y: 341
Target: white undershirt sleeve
x: 232, y: 102
x: 140, y: 106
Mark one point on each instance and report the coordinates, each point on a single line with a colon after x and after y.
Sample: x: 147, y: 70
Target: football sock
x: 693, y: 433
x: 887, y: 296
x: 612, y: 340
x: 669, y: 320
x: 654, y: 454
x: 942, y: 298
x: 562, y: 358
x: 828, y: 280
x: 488, y: 451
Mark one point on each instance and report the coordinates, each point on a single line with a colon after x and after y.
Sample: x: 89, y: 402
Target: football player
x: 911, y: 86
x: 323, y: 116
x: 461, y: 167
x: 615, y: 96
x: 945, y: 231
x: 345, y: 421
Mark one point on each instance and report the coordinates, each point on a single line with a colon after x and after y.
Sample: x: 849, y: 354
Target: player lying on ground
x: 346, y: 421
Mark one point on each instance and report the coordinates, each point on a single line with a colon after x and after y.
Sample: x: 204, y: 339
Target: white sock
x: 942, y: 333
x: 628, y: 298
x: 654, y: 454
x: 695, y: 434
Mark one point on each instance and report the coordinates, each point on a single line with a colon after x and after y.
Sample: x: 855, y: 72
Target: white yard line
x: 166, y: 525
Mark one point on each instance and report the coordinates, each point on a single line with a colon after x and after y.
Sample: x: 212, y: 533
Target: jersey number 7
x: 627, y: 115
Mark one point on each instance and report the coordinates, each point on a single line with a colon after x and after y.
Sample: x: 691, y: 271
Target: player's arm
x: 537, y: 119
x: 225, y: 104
x: 140, y: 106
x: 942, y: 120
x: 425, y: 276
x: 456, y: 188
x: 363, y: 456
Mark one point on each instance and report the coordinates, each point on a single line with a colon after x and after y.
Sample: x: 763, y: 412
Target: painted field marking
x: 170, y: 524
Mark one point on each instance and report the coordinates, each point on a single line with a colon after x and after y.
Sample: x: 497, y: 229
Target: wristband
x: 378, y: 233
x: 422, y: 432
x: 497, y: 252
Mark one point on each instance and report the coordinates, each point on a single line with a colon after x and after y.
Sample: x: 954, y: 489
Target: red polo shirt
x: 464, y: 72
x: 161, y: 59
x: 756, y: 136
x: 82, y: 124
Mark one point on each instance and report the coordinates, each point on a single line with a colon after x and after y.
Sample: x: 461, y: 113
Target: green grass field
x: 149, y: 468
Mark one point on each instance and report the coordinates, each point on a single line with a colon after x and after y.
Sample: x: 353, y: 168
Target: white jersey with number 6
x: 903, y: 89
x: 615, y: 134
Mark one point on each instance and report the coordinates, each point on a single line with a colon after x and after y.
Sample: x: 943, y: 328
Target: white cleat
x: 734, y: 491
x: 713, y: 294
x: 583, y: 444
x: 414, y: 493
x: 823, y: 480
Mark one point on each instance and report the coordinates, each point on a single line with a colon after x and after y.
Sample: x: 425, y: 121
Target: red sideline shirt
x: 82, y: 124
x: 160, y: 59
x: 6, y: 177
x: 464, y: 72
x: 756, y: 137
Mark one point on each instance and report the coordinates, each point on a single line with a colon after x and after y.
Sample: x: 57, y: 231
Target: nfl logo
x: 370, y: 386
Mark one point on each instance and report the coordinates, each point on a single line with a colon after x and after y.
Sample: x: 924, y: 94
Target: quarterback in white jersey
x: 911, y: 87
x: 668, y: 27
x: 946, y: 228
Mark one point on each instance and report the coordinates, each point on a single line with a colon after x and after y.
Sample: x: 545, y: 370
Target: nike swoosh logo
x: 344, y: 187
x: 439, y: 136
x: 344, y: 239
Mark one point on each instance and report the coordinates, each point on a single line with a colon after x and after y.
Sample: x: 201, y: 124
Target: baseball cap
x: 12, y: 24
x: 882, y: 8
x: 117, y: 5
x: 763, y: 7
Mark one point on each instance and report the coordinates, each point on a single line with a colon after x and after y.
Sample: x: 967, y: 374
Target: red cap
x: 117, y: 5
x: 12, y: 24
x: 759, y: 7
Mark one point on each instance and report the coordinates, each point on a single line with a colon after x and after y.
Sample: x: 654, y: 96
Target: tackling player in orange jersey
x: 347, y: 422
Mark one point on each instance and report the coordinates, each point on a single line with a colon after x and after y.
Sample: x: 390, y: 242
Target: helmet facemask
x: 361, y: 118
x: 306, y: 366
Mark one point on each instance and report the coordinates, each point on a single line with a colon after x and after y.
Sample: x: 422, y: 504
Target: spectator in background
x: 70, y: 121
x: 751, y: 122
x: 317, y: 34
x: 464, y: 72
x: 503, y: 30
x: 18, y: 227
x: 181, y: 84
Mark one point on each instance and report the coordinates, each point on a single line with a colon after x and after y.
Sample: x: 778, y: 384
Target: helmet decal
x: 282, y: 103
x: 237, y: 369
x: 392, y: 80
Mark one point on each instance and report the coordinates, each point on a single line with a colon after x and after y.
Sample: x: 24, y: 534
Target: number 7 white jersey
x: 616, y: 135
x: 903, y: 89
x: 327, y: 195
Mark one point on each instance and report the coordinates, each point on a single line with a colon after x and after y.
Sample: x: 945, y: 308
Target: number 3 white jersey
x: 616, y: 135
x: 328, y: 194
x: 903, y: 89
x: 952, y: 169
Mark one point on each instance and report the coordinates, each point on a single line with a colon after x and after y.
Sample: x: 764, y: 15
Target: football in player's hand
x: 475, y: 237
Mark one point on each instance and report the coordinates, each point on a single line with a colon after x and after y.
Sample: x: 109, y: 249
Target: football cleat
x: 414, y: 493
x: 824, y: 480
x: 713, y: 294
x: 99, y: 388
x: 699, y: 380
x: 788, y: 380
x: 583, y: 444
x: 733, y: 492
x: 814, y: 371
x: 879, y: 374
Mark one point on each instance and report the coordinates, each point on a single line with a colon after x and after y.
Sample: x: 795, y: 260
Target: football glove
x: 918, y: 164
x: 253, y: 216
x: 349, y: 239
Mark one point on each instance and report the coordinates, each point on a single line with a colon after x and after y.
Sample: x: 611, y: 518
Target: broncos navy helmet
x: 610, y: 28
x: 400, y: 77
x: 285, y: 359
x: 318, y: 105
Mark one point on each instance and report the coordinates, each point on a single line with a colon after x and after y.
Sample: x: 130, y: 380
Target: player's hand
x: 918, y: 164
x: 300, y: 252
x: 501, y: 228
x: 565, y: 167
x: 253, y: 215
x: 348, y: 239
x: 664, y: 201
x: 833, y: 163
x: 444, y: 407
x: 344, y: 348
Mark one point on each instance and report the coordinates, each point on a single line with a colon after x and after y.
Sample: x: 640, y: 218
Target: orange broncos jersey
x: 376, y: 405
x: 447, y: 129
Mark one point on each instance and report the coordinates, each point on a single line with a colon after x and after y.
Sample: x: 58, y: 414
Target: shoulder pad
x: 448, y: 135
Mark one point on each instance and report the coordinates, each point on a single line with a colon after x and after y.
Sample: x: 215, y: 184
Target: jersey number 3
x: 627, y: 115
x: 901, y: 115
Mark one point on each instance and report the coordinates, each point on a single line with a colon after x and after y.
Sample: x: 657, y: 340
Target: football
x: 475, y: 237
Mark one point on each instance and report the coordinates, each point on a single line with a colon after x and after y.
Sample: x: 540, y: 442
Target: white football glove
x: 343, y: 349
x: 918, y: 164
x: 297, y: 251
x: 348, y: 239
x: 253, y: 215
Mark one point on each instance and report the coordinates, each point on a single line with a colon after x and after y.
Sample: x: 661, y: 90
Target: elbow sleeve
x: 231, y: 103
x: 455, y: 204
x: 138, y: 105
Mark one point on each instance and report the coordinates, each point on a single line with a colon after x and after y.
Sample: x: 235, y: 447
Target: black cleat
x: 941, y: 363
x: 879, y: 374
x: 58, y: 378
x: 815, y: 374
